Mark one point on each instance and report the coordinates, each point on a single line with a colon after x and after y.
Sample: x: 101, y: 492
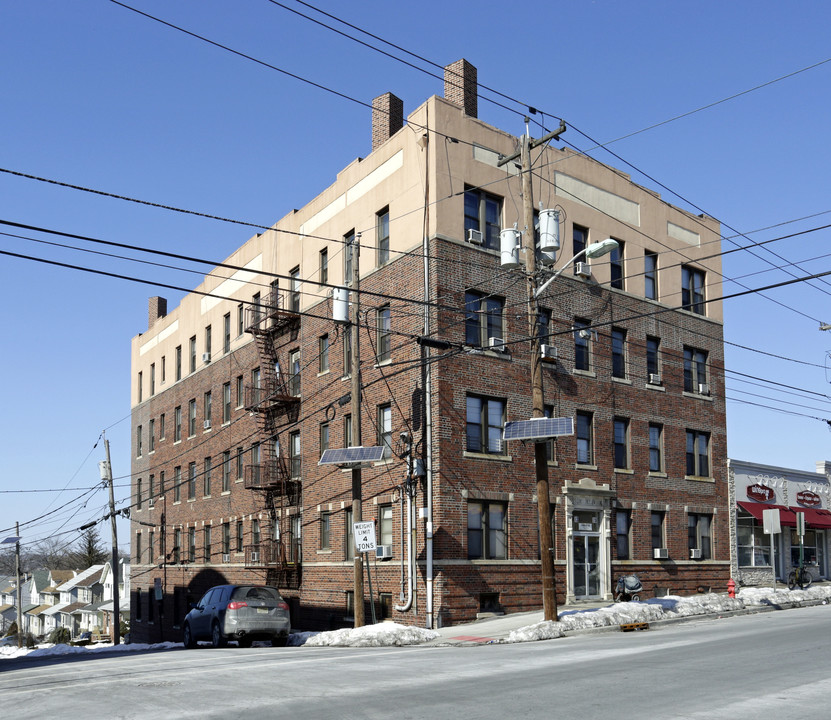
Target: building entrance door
x: 585, y: 555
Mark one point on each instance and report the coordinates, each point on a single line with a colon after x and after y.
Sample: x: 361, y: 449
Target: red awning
x: 816, y: 517
x: 786, y: 515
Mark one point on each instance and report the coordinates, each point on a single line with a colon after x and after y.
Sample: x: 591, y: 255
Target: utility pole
x: 108, y: 469
x: 19, y: 585
x: 549, y: 594
x: 355, y: 370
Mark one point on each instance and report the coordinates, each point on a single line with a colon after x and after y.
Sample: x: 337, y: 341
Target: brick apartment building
x: 238, y: 390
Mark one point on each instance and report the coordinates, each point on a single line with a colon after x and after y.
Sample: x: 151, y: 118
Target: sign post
x: 364, y: 533
x: 770, y: 521
x: 800, y: 530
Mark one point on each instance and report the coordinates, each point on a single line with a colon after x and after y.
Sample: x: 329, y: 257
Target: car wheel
x: 636, y: 598
x: 187, y: 637
x: 216, y: 636
x: 280, y: 641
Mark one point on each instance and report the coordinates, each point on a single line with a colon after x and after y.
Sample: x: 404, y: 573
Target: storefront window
x: 754, y: 545
x: 811, y: 547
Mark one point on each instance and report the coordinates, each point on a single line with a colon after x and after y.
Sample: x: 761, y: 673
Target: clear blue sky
x: 98, y: 96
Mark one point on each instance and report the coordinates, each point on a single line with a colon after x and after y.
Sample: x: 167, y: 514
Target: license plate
x: 262, y: 611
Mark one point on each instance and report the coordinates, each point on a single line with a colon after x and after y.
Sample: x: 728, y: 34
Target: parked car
x: 238, y: 612
x: 8, y: 641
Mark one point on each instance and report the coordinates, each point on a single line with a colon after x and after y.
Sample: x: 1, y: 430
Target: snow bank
x: 380, y: 635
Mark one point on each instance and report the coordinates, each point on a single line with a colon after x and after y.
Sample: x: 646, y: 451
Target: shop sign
x: 808, y: 498
x: 760, y: 492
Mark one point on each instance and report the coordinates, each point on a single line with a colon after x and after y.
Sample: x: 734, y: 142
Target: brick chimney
x: 387, y: 118
x: 156, y: 309
x: 460, y: 86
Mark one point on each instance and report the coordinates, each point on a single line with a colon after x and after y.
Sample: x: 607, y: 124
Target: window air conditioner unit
x: 495, y: 343
x: 695, y: 554
x: 548, y: 352
x: 206, y: 424
x: 583, y: 270
x: 703, y: 389
x: 660, y: 553
x: 226, y: 557
x: 474, y: 236
x: 255, y: 556
x: 383, y: 552
x: 654, y: 378
x: 206, y: 357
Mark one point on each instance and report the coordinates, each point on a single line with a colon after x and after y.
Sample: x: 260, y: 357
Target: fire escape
x: 274, y: 399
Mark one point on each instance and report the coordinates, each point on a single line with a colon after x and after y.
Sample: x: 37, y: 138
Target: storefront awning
x: 817, y: 518
x: 786, y: 515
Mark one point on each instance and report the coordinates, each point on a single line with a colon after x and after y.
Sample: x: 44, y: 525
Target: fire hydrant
x: 731, y: 588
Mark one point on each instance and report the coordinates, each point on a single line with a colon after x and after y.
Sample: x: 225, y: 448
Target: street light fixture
x: 595, y: 250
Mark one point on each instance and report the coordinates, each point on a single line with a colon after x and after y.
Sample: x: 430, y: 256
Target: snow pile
x: 380, y: 635
x: 49, y: 650
x: 545, y: 630
x: 780, y: 596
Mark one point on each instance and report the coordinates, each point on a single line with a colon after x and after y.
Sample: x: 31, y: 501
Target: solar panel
x: 538, y: 428
x: 352, y: 455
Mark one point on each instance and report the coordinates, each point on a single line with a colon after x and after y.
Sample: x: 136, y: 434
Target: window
x: 256, y: 309
x: 177, y: 424
x: 152, y: 379
x: 349, y: 248
x: 487, y: 530
x: 383, y: 348
x: 544, y: 327
x: 323, y: 354
x: 483, y: 213
x: 207, y: 409
x: 151, y: 490
x: 753, y: 544
x: 240, y: 319
x: 650, y: 275
x: 164, y: 369
x: 294, y: 454
x: 140, y: 385
x: 138, y: 547
x: 382, y: 226
x: 325, y: 530
x: 240, y: 391
x: 294, y: 289
x: 255, y: 533
x: 483, y: 318
x: 177, y: 545
x: 657, y: 520
x: 139, y: 447
x: 653, y: 366
x: 695, y: 370
x: 324, y: 265
x: 206, y: 476
x: 385, y: 429
x: 294, y: 373
x: 385, y: 524
x: 623, y: 523
x: 192, y: 418
x: 240, y: 463
x: 208, y: 340
x: 349, y: 535
x: 324, y: 437
x: 161, y: 482
x: 698, y: 453
x: 161, y: 427
x: 550, y: 443
x: 206, y: 542
x: 192, y: 481
x: 579, y: 242
x: 177, y: 483
x: 226, y: 403
x: 347, y: 431
x: 151, y: 435
x: 585, y: 442
x: 692, y: 289
x: 226, y: 538
x: 226, y: 471
x: 582, y: 345
x: 656, y: 447
x: 294, y: 539
x: 138, y: 494
x: 621, y: 442
x: 616, y: 266
x: 485, y: 420
x: 193, y: 354
x: 239, y: 535
x: 226, y: 333
x: 618, y: 353
x: 699, y: 534
x: 178, y: 362
x: 151, y: 549
x: 255, y: 463
x: 192, y: 544
x: 255, y: 386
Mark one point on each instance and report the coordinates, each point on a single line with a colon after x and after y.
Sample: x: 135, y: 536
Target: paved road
x: 768, y: 665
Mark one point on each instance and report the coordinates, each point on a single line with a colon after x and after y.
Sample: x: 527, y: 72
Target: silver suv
x: 238, y: 612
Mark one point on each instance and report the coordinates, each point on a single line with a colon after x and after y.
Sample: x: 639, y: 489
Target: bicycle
x: 800, y: 576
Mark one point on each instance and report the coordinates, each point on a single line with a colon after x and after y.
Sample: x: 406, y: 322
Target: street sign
x: 800, y: 523
x: 770, y: 520
x: 364, y: 536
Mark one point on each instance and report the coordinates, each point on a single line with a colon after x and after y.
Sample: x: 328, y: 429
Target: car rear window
x: 256, y: 593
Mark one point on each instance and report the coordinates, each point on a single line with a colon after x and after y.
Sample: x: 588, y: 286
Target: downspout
x: 408, y: 489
